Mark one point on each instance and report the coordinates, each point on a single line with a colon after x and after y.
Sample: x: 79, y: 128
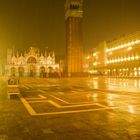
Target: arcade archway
x: 42, y: 72
x: 21, y: 71
x: 32, y: 70
x: 13, y: 71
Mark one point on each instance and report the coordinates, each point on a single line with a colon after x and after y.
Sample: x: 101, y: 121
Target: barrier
x: 13, y: 87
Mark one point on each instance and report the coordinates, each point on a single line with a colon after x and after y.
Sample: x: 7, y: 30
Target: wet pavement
x: 96, y: 108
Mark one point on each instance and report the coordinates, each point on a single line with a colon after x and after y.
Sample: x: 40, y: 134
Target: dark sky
x: 41, y: 23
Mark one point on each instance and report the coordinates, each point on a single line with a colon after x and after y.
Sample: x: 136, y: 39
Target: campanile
x: 74, y: 41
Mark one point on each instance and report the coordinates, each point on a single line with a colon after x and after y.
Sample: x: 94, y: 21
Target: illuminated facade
x: 121, y: 57
x: 95, y: 61
x: 74, y: 52
x: 31, y: 63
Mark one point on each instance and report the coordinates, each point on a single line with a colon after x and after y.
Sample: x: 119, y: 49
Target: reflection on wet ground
x: 118, y: 84
x: 96, y: 108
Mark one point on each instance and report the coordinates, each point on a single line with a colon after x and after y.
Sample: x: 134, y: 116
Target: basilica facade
x: 31, y: 63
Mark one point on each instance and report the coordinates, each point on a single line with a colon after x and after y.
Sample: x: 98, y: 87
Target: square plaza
x: 87, y: 108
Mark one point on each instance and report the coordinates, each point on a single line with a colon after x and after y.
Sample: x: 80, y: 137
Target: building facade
x: 74, y: 45
x: 120, y: 57
x: 32, y: 63
x: 2, y: 60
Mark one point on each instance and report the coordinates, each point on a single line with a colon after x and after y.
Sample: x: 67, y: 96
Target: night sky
x: 41, y: 23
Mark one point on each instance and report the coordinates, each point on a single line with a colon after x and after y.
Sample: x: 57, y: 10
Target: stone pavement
x: 65, y: 109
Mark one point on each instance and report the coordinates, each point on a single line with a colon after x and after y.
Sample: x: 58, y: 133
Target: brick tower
x: 74, y: 43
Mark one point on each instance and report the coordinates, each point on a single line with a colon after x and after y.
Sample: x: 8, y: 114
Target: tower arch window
x: 74, y: 7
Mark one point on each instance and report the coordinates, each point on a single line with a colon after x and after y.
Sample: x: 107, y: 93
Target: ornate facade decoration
x: 31, y: 63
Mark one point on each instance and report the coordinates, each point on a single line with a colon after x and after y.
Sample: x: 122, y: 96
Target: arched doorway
x: 13, y: 71
x: 42, y: 72
x: 50, y: 72
x: 32, y: 68
x: 21, y: 71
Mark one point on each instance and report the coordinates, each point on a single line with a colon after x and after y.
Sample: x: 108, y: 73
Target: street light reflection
x: 110, y: 103
x: 131, y: 109
x: 115, y: 84
x: 110, y: 96
x: 110, y: 99
x: 132, y: 85
x: 95, y: 84
x: 95, y: 95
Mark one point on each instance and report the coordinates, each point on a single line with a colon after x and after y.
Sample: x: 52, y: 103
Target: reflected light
x: 135, y: 73
x: 95, y: 85
x: 131, y: 109
x: 94, y: 54
x: 88, y: 57
x: 110, y: 103
x: 92, y: 97
x: 94, y: 64
x: 109, y: 99
x: 110, y: 96
x: 95, y: 95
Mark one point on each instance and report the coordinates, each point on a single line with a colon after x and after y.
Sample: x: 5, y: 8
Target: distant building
x: 2, y: 60
x: 0, y: 65
x: 120, y: 57
x: 74, y: 45
x: 31, y: 63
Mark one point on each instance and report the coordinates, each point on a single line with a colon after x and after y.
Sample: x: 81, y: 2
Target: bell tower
x: 74, y: 42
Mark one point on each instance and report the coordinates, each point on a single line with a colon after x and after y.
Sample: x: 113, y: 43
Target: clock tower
x: 74, y: 41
